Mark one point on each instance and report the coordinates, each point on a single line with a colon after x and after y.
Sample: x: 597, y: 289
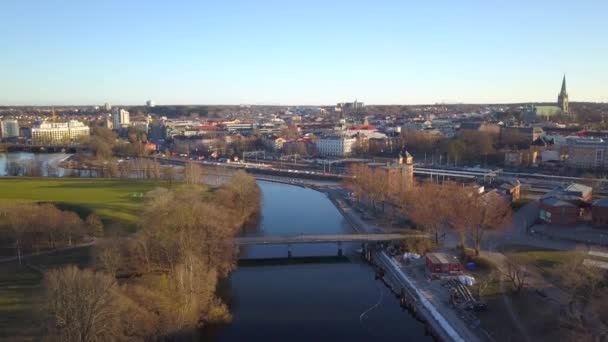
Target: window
x: 545, y: 215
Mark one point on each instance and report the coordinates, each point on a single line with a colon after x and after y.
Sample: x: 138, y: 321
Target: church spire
x: 562, y: 98
x: 563, y: 92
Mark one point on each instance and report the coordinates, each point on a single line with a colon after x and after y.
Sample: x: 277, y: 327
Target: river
x: 48, y: 162
x: 323, y: 299
x: 336, y: 300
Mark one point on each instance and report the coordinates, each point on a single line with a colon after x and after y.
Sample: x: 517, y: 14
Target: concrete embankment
x: 420, y: 307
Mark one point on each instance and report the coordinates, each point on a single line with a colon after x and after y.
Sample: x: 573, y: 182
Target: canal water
x: 337, y: 299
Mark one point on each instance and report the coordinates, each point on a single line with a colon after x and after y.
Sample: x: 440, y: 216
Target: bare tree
x: 484, y: 283
x: 108, y: 256
x: 585, y: 318
x: 169, y: 174
x: 13, y: 168
x: 82, y: 305
x: 431, y: 206
x: 73, y: 226
x: 493, y: 211
x: 478, y: 213
x: 193, y: 173
x: 94, y: 225
x: 516, y: 271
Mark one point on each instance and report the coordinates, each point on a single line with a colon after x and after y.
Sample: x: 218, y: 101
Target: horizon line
x: 297, y: 105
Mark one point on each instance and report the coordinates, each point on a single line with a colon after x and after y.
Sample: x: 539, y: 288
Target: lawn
x: 21, y: 292
x: 538, y: 315
x: 21, y: 288
x: 546, y: 260
x: 113, y: 200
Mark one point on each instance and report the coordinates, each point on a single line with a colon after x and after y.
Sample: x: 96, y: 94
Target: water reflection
x: 332, y: 300
x: 32, y: 164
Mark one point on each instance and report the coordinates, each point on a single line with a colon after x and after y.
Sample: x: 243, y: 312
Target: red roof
x: 361, y: 127
x: 207, y: 128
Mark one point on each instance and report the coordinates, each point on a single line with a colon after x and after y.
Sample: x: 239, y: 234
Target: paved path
x: 25, y: 257
x: 294, y: 239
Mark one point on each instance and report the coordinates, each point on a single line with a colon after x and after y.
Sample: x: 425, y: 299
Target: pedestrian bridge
x: 321, y: 238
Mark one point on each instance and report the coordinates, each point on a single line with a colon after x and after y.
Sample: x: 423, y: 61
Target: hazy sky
x: 301, y: 51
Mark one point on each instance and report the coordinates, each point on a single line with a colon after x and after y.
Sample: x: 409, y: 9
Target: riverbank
x: 315, y: 295
x: 441, y: 319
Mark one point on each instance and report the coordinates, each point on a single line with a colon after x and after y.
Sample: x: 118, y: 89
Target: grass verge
x: 113, y: 200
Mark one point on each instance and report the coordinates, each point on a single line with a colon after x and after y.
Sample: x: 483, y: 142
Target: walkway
x: 320, y: 238
x: 438, y: 311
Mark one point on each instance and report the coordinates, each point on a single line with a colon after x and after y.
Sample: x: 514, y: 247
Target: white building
x: 120, y: 118
x: 107, y: 107
x: 150, y: 103
x: 335, y: 146
x: 9, y: 128
x: 59, y: 133
x: 109, y: 122
x: 587, y: 153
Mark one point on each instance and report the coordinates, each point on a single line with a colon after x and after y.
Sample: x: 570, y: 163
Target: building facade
x: 518, y: 135
x: 9, y: 128
x: 587, y: 153
x: 599, y: 213
x: 335, y: 146
x: 565, y: 204
x: 399, y: 174
x: 120, y: 118
x: 59, y: 133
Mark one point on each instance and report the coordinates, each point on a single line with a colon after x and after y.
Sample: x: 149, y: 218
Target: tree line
x: 31, y: 227
x: 433, y: 207
x: 161, y: 282
x: 105, y: 144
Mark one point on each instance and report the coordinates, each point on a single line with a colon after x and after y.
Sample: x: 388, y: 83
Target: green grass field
x: 22, y: 291
x: 113, y: 200
x: 21, y: 288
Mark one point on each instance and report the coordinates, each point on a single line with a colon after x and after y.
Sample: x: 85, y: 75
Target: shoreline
x: 433, y: 317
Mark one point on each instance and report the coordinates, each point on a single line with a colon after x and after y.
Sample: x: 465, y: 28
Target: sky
x: 306, y: 52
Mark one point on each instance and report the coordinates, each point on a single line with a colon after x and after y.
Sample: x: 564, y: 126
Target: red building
x: 150, y: 146
x: 564, y: 205
x: 442, y: 263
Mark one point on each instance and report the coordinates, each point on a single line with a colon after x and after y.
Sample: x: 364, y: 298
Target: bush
x: 483, y: 265
x: 418, y: 245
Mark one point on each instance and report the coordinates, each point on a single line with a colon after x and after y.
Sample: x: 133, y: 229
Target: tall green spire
x: 562, y: 98
x: 563, y: 92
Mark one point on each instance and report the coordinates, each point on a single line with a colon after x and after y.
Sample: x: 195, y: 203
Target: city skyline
x: 67, y: 53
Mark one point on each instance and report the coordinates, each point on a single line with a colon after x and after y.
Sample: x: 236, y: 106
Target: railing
x: 319, y: 238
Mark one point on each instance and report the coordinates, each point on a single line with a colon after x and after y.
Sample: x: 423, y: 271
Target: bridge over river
x: 321, y: 238
x: 339, y: 239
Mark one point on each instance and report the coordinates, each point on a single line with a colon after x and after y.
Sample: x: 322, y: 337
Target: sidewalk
x: 46, y: 252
